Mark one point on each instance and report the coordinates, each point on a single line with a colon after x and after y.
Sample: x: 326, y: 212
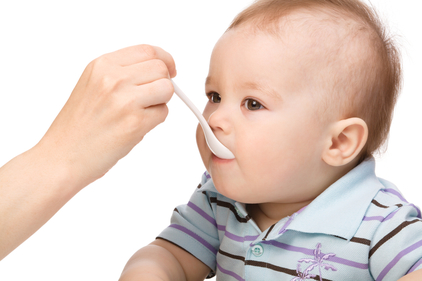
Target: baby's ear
x: 345, y: 140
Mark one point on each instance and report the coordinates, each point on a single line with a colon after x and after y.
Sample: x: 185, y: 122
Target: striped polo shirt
x: 360, y: 228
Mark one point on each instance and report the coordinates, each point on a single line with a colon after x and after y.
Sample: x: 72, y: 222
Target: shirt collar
x: 208, y: 185
x: 339, y: 210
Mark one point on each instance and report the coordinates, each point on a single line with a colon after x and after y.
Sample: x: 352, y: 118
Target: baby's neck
x: 267, y: 214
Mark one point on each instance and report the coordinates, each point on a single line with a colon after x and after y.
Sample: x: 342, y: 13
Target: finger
x: 140, y: 53
x: 168, y: 60
x: 146, y: 72
x: 154, y: 115
x: 154, y: 93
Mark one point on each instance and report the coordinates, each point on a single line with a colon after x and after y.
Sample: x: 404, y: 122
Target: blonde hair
x: 377, y: 82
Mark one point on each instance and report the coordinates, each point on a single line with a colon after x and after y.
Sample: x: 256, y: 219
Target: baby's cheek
x: 253, y: 153
x: 259, y: 161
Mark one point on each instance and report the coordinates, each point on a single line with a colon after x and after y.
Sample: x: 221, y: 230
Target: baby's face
x: 262, y: 107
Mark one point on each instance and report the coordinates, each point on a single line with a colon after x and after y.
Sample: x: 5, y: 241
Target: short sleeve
x: 396, y: 248
x: 194, y: 228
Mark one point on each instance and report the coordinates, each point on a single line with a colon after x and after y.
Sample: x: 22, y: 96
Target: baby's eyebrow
x: 266, y: 90
x: 208, y: 80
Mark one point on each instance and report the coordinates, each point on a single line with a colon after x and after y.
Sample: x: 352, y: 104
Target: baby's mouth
x: 217, y: 148
x: 219, y: 160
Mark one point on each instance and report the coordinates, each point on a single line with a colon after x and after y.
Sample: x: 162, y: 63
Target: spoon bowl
x: 213, y: 143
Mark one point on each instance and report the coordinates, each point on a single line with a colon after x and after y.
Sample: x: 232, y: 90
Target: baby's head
x: 301, y: 92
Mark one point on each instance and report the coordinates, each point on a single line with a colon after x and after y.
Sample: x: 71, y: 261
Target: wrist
x: 63, y: 172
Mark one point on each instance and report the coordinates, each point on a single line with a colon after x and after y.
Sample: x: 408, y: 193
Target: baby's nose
x: 219, y: 120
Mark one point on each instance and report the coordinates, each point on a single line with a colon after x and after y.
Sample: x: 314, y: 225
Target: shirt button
x: 257, y: 250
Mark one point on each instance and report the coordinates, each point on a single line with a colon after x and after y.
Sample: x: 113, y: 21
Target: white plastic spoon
x: 213, y: 143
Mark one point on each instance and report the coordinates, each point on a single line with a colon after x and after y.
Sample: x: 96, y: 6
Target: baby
x: 302, y: 92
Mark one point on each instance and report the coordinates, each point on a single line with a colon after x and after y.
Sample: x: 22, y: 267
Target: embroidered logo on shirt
x: 316, y: 262
x: 302, y: 275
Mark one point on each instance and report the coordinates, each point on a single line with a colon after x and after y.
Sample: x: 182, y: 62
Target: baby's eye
x: 214, y: 97
x: 253, y: 104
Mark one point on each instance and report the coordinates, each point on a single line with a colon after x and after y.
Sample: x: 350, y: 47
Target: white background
x: 45, y: 46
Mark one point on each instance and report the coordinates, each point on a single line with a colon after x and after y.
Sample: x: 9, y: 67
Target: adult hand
x: 118, y: 99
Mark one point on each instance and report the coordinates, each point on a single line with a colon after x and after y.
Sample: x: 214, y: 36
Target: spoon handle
x: 190, y: 104
x: 213, y: 143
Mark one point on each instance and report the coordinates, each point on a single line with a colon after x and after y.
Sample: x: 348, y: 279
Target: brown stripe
x: 268, y: 232
x: 339, y: 237
x: 361, y: 241
x: 231, y: 207
x: 277, y: 268
x: 176, y: 210
x: 199, y: 186
x: 209, y: 202
x: 231, y: 255
x: 356, y: 240
x: 391, y: 235
x: 378, y: 204
x: 271, y: 266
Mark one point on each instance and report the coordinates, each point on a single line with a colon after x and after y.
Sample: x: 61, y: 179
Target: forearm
x: 33, y: 187
x: 153, y: 263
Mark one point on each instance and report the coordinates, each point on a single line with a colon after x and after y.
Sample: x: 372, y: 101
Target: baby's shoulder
x: 389, y: 202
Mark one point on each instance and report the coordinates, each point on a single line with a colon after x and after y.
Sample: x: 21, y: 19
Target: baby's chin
x: 234, y: 191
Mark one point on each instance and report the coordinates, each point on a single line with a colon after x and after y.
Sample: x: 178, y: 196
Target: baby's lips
x: 218, y: 148
x: 223, y: 153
